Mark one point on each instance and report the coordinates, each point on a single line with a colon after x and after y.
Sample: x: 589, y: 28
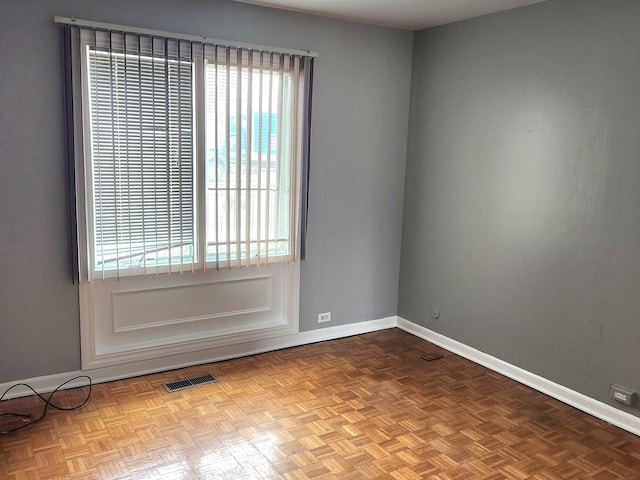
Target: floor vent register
x: 189, y: 383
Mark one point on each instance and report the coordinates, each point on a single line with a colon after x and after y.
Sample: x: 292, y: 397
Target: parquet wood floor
x: 362, y: 407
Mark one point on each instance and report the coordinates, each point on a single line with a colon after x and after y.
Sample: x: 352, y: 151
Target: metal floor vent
x: 188, y: 383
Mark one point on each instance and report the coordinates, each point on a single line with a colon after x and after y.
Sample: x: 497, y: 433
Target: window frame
x: 201, y: 257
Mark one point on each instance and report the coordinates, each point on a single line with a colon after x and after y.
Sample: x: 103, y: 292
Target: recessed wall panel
x: 151, y: 308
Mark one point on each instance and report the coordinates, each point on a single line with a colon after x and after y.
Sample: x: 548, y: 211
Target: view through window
x: 193, y: 157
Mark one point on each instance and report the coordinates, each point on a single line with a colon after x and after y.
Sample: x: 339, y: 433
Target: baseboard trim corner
x: 607, y: 413
x: 575, y: 399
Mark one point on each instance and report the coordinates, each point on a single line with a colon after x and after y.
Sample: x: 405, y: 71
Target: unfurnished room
x: 317, y: 239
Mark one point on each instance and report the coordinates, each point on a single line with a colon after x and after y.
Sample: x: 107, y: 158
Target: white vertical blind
x: 252, y: 195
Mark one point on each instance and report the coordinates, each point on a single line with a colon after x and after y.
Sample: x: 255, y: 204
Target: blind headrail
x: 179, y: 36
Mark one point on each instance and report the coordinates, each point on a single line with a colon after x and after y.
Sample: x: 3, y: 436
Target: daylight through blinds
x: 142, y: 162
x: 192, y: 153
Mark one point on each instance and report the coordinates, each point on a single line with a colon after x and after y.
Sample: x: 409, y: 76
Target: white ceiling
x: 407, y: 14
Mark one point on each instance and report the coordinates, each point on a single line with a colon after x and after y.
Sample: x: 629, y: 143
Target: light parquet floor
x: 362, y: 407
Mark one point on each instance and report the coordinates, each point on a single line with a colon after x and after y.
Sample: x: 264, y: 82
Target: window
x: 186, y: 156
x: 192, y: 153
x: 141, y: 160
x: 250, y: 162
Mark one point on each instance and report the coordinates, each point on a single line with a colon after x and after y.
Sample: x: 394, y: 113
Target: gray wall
x: 522, y: 180
x: 522, y: 194
x: 361, y: 108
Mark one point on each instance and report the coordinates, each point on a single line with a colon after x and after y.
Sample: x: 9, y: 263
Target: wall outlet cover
x: 622, y: 394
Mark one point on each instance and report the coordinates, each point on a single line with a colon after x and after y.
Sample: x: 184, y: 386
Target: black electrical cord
x: 47, y: 403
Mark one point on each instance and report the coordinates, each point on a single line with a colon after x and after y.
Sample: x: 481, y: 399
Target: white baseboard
x: 575, y: 399
x: 593, y: 407
x: 48, y: 383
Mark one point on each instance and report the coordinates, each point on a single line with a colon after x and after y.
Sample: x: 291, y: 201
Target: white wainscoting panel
x: 157, y: 307
x: 134, y: 319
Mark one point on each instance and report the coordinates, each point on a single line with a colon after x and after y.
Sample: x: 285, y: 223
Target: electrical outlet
x: 622, y: 394
x: 324, y: 317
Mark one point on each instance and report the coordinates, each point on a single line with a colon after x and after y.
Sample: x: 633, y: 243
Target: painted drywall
x: 521, y: 218
x: 361, y: 105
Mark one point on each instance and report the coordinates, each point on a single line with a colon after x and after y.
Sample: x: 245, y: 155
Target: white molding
x: 188, y: 346
x: 104, y: 345
x: 119, y: 326
x: 593, y: 407
x: 48, y: 383
x: 575, y: 399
